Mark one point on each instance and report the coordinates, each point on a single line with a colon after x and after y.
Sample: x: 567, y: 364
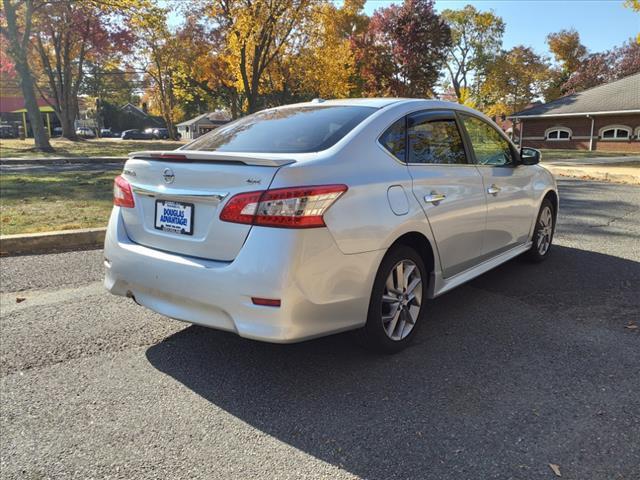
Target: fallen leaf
x: 20, y: 299
x: 556, y: 469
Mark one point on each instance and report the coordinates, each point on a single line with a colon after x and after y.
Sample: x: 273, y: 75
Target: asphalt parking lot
x: 526, y: 366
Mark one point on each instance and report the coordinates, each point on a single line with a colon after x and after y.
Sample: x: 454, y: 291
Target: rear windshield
x: 285, y: 130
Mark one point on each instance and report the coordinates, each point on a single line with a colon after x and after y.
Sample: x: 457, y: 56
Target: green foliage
x: 514, y: 79
x: 476, y: 42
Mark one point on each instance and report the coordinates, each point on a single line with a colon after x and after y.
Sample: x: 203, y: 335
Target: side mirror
x: 530, y: 156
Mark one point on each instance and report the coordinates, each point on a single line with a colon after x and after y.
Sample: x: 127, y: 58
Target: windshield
x: 284, y: 130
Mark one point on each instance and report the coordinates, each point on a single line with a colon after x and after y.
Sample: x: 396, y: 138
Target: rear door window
x: 435, y: 140
x: 285, y: 130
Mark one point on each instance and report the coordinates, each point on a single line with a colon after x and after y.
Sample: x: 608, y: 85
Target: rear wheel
x: 396, y: 307
x: 543, y: 232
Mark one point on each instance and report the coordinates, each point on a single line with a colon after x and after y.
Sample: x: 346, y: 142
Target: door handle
x: 494, y: 190
x: 434, y: 197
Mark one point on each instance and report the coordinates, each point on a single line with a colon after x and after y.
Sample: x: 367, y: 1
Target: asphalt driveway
x: 526, y: 366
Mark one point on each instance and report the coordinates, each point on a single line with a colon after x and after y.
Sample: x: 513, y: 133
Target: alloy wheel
x: 401, y: 300
x: 545, y: 230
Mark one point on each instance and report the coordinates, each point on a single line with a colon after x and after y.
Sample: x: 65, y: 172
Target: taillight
x: 122, y: 194
x: 296, y: 207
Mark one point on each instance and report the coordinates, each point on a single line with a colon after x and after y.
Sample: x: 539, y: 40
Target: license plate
x: 174, y: 217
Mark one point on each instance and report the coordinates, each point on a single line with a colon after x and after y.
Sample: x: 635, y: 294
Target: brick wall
x: 580, y: 127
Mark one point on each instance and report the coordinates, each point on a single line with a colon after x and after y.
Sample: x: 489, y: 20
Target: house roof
x: 620, y: 96
x: 138, y: 110
x: 45, y: 109
x: 16, y: 103
x: 215, y: 117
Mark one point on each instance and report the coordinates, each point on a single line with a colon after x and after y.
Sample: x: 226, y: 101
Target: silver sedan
x: 316, y: 218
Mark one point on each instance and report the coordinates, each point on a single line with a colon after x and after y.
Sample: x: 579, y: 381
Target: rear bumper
x: 322, y: 290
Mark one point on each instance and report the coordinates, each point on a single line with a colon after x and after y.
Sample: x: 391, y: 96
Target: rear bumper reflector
x: 265, y: 302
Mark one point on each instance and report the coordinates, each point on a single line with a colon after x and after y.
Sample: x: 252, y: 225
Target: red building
x: 606, y: 117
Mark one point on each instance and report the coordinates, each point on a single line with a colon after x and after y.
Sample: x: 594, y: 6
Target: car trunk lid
x: 179, y: 195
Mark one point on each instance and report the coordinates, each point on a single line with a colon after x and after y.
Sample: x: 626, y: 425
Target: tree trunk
x: 67, y: 124
x: 456, y: 88
x: 18, y: 52
x: 252, y: 102
x: 40, y: 135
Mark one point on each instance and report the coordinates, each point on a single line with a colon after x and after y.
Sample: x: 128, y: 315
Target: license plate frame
x: 189, y: 208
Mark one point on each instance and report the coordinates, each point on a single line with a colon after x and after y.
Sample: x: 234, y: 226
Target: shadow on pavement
x: 588, y: 208
x: 525, y: 366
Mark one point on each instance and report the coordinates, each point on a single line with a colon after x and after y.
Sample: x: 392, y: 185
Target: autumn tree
x: 257, y: 32
x: 110, y: 80
x: 604, y: 67
x: 567, y: 49
x: 635, y: 6
x: 203, y: 79
x: 160, y: 50
x: 476, y: 39
x: 16, y: 22
x: 319, y: 61
x: 513, y: 80
x: 569, y: 54
x: 67, y: 35
x: 628, y: 59
x: 331, y: 57
x: 403, y: 50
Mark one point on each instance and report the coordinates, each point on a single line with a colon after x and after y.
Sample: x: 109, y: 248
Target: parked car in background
x: 160, y: 133
x: 108, y: 133
x: 85, y: 132
x: 57, y: 132
x: 8, y: 131
x: 316, y: 218
x: 136, y: 135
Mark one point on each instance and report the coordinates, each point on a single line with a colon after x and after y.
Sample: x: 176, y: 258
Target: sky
x: 602, y: 24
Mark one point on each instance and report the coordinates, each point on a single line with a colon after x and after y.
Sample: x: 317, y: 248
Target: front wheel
x: 396, y: 306
x: 543, y: 232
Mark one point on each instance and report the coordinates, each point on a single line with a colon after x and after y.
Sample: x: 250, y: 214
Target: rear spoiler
x: 260, y: 159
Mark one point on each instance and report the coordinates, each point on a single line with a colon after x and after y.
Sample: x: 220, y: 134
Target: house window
x: 615, y: 132
x: 558, y: 133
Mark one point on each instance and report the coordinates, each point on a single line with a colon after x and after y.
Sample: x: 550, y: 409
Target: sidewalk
x: 597, y: 171
x: 566, y: 162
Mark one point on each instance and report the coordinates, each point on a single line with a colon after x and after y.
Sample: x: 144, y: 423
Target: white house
x: 202, y: 124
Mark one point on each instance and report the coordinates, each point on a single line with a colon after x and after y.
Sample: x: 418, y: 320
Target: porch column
x: 24, y: 124
x: 521, y: 129
x: 49, y: 124
x: 591, y: 136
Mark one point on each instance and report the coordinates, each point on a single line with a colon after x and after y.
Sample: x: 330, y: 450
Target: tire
x: 543, y: 233
x: 394, y: 316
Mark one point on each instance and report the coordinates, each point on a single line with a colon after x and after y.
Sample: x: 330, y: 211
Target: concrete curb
x: 60, y: 160
x: 51, y: 242
x: 590, y: 174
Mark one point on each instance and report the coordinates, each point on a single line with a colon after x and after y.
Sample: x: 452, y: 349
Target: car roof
x: 355, y: 102
x: 382, y: 102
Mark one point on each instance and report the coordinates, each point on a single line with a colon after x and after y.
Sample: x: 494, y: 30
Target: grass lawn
x: 552, y: 154
x: 104, y: 147
x: 59, y: 201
